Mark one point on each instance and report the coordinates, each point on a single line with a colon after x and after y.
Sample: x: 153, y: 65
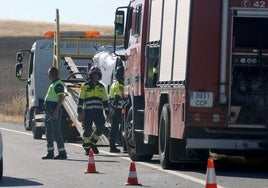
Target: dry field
x: 13, y: 28
x: 14, y: 36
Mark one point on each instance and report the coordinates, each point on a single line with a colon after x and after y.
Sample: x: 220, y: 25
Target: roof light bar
x: 75, y: 34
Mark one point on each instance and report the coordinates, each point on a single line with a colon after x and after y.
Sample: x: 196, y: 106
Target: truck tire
x: 130, y: 142
x: 164, y: 137
x: 37, y: 131
x: 28, y: 116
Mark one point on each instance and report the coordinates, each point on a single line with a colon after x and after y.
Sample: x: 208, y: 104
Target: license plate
x: 201, y: 99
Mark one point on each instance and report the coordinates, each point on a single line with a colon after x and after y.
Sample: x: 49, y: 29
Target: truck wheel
x: 130, y: 142
x: 28, y: 116
x: 37, y: 131
x: 164, y: 137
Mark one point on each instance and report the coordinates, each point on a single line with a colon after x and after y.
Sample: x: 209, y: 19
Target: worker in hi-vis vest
x: 93, y: 99
x: 116, y: 102
x: 53, y: 102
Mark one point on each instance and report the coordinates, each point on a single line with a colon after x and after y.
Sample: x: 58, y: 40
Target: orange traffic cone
x: 211, y: 176
x: 132, y: 176
x: 91, y: 163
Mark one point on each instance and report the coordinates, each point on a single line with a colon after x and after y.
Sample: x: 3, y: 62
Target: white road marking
x: 178, y: 174
x: 19, y: 132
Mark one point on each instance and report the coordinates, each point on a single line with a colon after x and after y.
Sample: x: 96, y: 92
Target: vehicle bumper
x: 230, y: 144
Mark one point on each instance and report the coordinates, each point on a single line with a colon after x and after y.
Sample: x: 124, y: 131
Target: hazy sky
x: 93, y: 12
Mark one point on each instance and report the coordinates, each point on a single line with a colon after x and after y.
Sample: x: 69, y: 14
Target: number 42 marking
x: 259, y: 4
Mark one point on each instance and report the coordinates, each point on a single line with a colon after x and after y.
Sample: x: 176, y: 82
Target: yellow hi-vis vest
x: 93, y: 96
x: 55, y: 89
x: 117, y: 89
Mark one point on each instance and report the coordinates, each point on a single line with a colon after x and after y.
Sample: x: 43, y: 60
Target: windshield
x: 31, y: 64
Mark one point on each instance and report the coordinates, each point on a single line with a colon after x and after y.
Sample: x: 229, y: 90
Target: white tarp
x: 106, y: 61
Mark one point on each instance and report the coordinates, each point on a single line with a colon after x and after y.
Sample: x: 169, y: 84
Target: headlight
x: 243, y: 60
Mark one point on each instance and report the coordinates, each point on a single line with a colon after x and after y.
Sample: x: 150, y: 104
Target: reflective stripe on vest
x: 118, y: 106
x: 94, y: 96
x: 97, y: 91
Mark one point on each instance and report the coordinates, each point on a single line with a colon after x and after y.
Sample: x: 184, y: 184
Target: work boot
x: 48, y: 156
x: 114, y: 150
x: 86, y: 147
x: 61, y: 156
x: 95, y: 149
x: 86, y: 151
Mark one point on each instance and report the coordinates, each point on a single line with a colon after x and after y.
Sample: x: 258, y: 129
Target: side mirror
x: 119, y: 22
x: 19, y: 57
x: 19, y: 68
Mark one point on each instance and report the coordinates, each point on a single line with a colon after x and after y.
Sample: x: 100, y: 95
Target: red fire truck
x: 196, y: 78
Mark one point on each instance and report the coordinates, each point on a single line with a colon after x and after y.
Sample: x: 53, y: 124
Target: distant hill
x: 14, y: 28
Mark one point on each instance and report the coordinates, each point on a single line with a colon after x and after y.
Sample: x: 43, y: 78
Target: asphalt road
x: 23, y: 167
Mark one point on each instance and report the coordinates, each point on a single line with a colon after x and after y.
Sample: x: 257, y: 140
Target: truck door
x: 134, y: 52
x: 249, y: 66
